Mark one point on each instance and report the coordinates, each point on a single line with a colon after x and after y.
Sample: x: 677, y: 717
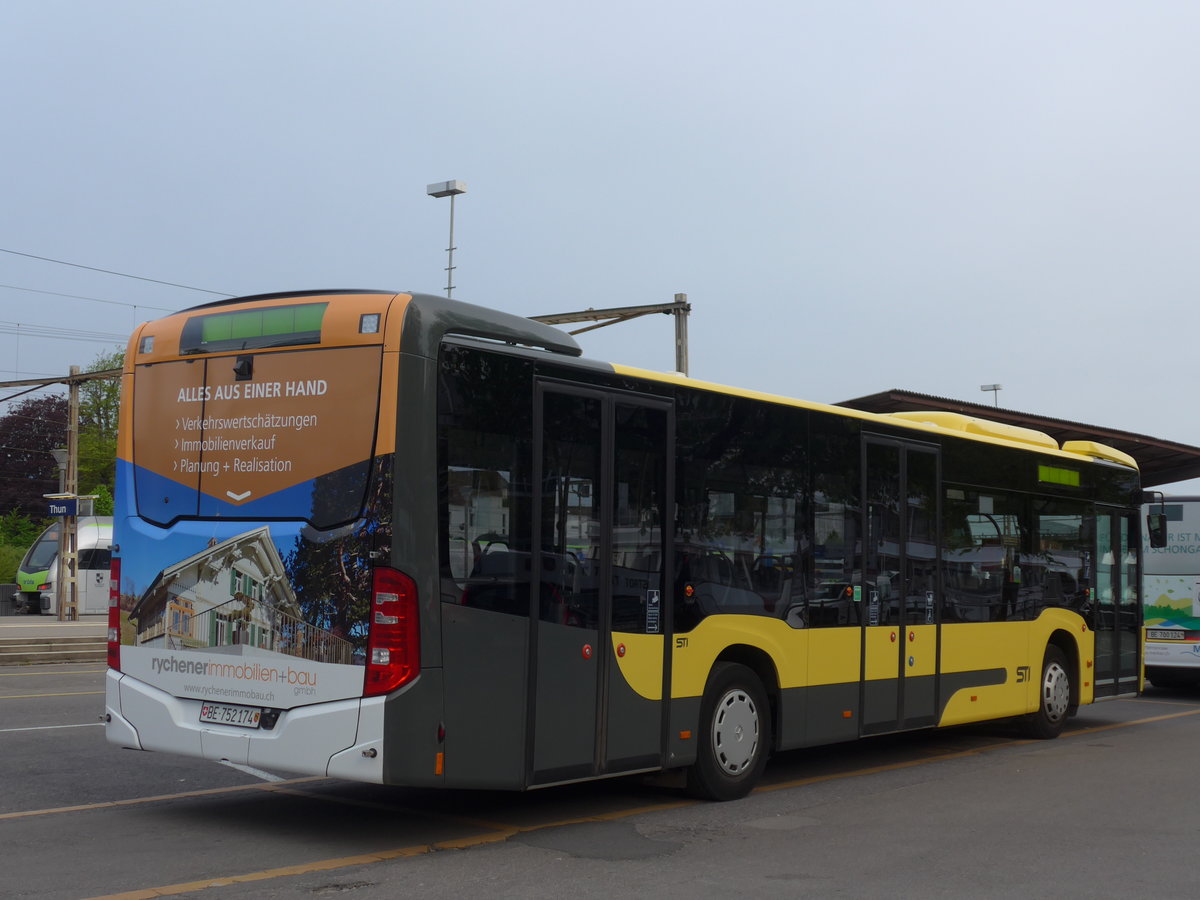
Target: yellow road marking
x: 1097, y: 728
x: 962, y: 754
x: 45, y: 672
x: 64, y: 694
x: 889, y: 767
x: 137, y: 801
x: 325, y: 865
x: 504, y: 832
x: 1165, y: 702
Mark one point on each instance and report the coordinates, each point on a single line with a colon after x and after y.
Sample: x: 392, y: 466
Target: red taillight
x: 394, y: 636
x: 114, y: 614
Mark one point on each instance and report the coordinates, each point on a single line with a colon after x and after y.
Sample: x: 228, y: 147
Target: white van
x: 38, y: 573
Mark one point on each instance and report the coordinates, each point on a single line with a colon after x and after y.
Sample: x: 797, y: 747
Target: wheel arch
x: 1065, y: 642
x: 762, y: 665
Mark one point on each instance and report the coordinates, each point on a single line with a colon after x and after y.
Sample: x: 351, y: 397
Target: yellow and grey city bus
x: 402, y: 539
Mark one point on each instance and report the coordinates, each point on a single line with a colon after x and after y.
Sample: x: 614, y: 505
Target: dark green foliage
x: 10, y: 558
x: 28, y: 432
x: 99, y: 407
x: 19, y: 530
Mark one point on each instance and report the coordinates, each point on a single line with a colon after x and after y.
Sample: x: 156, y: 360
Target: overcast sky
x: 855, y: 196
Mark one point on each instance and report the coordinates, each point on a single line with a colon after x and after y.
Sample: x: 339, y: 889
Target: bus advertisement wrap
x: 264, y: 598
x: 258, y: 677
x: 217, y: 446
x: 1171, y: 595
x: 1171, y: 580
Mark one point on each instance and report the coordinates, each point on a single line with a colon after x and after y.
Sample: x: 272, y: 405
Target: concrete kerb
x: 34, y: 640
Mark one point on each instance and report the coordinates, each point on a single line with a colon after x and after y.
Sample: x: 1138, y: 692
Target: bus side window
x: 981, y: 555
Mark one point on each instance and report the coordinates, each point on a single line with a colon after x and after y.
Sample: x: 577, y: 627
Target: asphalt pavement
x: 971, y: 812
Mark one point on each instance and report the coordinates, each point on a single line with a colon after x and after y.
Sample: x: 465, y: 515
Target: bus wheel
x: 735, y: 722
x: 1054, y: 697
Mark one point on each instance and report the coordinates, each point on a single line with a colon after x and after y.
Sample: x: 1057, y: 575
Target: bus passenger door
x: 601, y: 483
x: 900, y: 633
x: 1116, y: 618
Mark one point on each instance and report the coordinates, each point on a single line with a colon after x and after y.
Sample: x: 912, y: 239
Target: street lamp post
x: 449, y: 189
x: 60, y: 459
x: 995, y: 389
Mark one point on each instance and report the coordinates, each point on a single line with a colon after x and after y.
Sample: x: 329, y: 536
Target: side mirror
x: 1156, y: 528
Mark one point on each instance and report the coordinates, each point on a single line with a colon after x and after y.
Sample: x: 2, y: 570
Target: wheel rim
x: 1056, y: 692
x: 735, y: 732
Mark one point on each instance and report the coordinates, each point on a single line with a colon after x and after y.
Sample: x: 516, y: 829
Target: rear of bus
x: 1171, y: 595
x: 252, y: 617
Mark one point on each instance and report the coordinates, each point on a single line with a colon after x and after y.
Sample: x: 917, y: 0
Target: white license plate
x: 224, y: 714
x: 1159, y: 634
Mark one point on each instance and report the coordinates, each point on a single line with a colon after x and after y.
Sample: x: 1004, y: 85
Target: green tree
x: 17, y: 534
x: 104, y: 501
x: 18, y: 529
x: 99, y: 409
x: 10, y: 560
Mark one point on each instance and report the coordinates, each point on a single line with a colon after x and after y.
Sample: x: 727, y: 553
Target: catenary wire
x: 186, y: 287
x: 66, y: 334
x: 29, y: 290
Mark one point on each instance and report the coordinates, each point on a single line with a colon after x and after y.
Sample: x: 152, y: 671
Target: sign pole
x: 68, y: 559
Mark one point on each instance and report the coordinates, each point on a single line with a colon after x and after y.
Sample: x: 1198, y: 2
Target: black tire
x: 735, y: 735
x: 1054, y: 697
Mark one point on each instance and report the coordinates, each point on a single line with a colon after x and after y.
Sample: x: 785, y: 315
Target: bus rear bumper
x: 117, y: 729
x: 1172, y: 654
x: 342, y: 739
